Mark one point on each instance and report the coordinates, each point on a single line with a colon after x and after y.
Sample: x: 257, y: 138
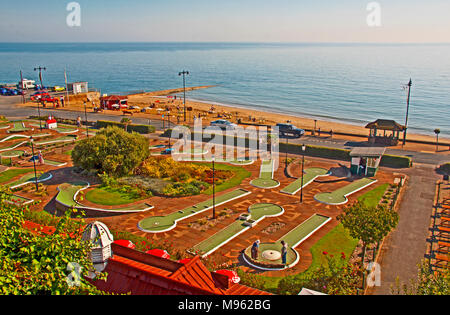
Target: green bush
x: 394, y: 161
x: 142, y: 129
x: 112, y: 151
x: 185, y: 189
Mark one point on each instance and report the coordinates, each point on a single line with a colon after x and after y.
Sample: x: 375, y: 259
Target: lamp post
x: 34, y: 163
x: 408, y: 86
x: 86, y: 121
x: 184, y: 73
x: 214, y: 186
x: 287, y: 146
x: 303, y: 170
x: 40, y: 74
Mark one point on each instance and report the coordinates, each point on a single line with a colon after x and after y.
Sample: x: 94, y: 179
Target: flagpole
x: 67, y: 87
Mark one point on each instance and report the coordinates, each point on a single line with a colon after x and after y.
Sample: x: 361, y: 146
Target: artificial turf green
x: 339, y: 196
x: 257, y: 212
x: 265, y: 179
x: 156, y: 224
x: 310, y: 175
x: 8, y: 175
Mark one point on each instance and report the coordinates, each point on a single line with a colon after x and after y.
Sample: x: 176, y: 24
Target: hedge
x: 395, y: 161
x: 391, y: 161
x: 142, y: 129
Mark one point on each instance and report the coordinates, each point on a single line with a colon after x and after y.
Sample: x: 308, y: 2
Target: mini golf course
x: 54, y: 163
x: 339, y: 197
x: 18, y: 127
x: 68, y: 192
x: 269, y: 257
x: 57, y: 140
x: 265, y: 180
x: 12, y: 154
x: 30, y: 179
x: 13, y: 146
x: 162, y: 224
x: 66, y: 130
x: 311, y: 174
x: 257, y: 213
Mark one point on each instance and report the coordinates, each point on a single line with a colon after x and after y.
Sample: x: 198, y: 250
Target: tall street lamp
x: 40, y: 74
x: 214, y: 186
x: 408, y: 86
x: 303, y: 170
x: 184, y: 73
x: 86, y: 121
x: 34, y: 163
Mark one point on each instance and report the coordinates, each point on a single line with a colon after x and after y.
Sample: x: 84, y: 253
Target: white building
x: 78, y: 87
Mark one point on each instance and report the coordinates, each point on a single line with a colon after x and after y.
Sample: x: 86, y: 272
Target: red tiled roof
x: 138, y: 273
x: 134, y: 272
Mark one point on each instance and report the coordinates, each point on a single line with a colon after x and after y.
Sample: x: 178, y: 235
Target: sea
x: 350, y: 83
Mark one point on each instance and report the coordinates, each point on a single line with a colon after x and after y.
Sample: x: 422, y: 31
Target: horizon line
x: 227, y: 42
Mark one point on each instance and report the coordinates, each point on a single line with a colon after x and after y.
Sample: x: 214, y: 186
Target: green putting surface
x: 18, y: 127
x: 13, y: 137
x: 310, y: 175
x: 165, y: 223
x: 67, y: 192
x: 12, y: 154
x: 265, y: 179
x: 54, y: 163
x: 339, y: 196
x: 29, y: 179
x: 65, y: 130
x: 293, y: 239
x: 57, y: 140
x: 258, y: 212
x: 8, y: 175
x: 242, y: 162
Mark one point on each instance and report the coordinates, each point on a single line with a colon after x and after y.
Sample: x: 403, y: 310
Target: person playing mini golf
x: 284, y: 251
x: 255, y: 249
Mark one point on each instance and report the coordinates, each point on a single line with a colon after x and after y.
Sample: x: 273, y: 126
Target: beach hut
x: 114, y: 102
x: 366, y: 161
x: 78, y: 87
x: 386, y: 132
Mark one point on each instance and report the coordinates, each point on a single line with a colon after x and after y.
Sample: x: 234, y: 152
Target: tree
x: 36, y: 263
x: 113, y: 151
x: 368, y: 224
x: 126, y: 121
x: 428, y: 282
x: 437, y: 132
x: 336, y: 277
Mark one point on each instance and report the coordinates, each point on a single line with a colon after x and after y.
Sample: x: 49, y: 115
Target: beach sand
x: 162, y: 100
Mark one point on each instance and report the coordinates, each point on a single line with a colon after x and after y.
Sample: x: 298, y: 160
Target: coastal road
x: 9, y: 109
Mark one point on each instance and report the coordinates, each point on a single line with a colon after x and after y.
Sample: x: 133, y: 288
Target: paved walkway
x: 406, y: 246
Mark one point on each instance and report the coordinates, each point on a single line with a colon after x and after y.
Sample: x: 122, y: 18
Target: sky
x: 402, y: 21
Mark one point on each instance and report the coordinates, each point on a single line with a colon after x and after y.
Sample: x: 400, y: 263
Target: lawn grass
x: 111, y: 197
x: 373, y: 197
x: 240, y: 174
x: 10, y: 174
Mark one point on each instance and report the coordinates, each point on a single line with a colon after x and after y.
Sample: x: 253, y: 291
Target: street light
x: 85, y: 118
x: 303, y: 170
x: 184, y: 73
x: 408, y: 86
x: 34, y: 163
x: 214, y: 186
x: 40, y: 74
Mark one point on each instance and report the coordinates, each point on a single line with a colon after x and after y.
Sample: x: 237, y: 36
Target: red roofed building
x: 114, y: 102
x: 138, y: 273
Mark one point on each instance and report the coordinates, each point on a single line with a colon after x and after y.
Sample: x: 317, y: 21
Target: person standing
x: 62, y: 101
x: 255, y: 250
x: 79, y: 121
x: 41, y: 158
x: 284, y: 251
